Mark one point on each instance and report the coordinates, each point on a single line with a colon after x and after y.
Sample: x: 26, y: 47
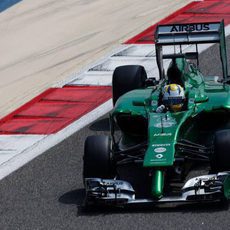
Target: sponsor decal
x: 161, y: 145
x: 159, y: 156
x: 162, y: 134
x: 192, y: 101
x: 165, y: 122
x: 114, y: 183
x: 154, y: 103
x: 160, y: 150
x: 190, y: 27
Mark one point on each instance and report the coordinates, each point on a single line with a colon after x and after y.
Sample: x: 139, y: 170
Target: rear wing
x: 192, y: 33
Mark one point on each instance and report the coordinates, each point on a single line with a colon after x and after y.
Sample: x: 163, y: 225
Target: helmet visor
x: 173, y: 101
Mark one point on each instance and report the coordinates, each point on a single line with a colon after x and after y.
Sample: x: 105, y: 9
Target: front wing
x: 206, y: 188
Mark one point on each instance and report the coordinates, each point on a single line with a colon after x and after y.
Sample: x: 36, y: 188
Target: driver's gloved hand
x: 160, y: 109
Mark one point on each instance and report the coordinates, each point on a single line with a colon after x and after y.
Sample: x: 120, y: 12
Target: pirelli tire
x: 97, y: 159
x: 127, y: 78
x: 221, y: 155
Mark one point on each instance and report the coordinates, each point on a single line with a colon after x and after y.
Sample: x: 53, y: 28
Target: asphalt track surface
x: 47, y: 193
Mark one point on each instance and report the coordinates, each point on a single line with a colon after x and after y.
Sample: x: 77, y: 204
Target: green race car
x: 156, y: 154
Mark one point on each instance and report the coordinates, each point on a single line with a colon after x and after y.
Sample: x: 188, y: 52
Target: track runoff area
x: 66, y: 108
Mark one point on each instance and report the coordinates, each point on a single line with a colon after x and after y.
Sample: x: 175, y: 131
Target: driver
x: 173, y: 99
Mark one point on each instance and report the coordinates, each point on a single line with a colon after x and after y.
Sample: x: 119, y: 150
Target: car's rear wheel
x: 221, y: 156
x: 127, y: 78
x: 97, y: 157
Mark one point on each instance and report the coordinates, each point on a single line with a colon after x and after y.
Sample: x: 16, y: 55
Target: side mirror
x: 201, y: 99
x: 139, y: 103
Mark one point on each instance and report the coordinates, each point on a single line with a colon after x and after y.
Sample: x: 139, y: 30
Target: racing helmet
x: 173, y: 97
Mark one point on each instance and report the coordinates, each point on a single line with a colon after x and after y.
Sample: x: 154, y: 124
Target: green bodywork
x: 226, y: 184
x: 204, y: 95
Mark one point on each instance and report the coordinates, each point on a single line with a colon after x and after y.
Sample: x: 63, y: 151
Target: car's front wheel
x: 221, y: 156
x: 97, y: 157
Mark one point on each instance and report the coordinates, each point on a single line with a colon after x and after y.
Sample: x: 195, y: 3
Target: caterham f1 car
x: 153, y: 157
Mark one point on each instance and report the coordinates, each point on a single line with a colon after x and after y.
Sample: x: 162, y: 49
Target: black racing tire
x: 127, y: 78
x: 221, y: 156
x: 97, y: 157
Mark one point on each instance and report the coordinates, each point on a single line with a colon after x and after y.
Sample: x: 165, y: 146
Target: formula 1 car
x: 153, y: 158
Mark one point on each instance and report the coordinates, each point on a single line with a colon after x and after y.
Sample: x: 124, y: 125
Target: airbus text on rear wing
x: 189, y: 33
